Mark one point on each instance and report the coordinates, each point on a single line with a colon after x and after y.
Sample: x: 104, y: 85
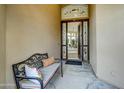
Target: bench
x: 24, y: 82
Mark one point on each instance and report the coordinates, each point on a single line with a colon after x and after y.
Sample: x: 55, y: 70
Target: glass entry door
x: 74, y: 40
x: 73, y: 34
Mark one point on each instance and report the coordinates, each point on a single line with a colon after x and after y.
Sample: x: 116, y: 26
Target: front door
x: 74, y: 40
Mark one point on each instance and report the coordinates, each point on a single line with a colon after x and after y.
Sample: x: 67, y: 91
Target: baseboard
x: 93, y: 70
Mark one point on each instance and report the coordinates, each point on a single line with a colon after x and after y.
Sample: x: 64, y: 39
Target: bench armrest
x: 35, y: 78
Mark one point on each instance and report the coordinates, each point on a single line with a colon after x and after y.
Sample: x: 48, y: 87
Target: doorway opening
x: 75, y: 40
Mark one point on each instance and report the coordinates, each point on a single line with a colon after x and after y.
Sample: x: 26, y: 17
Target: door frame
x: 67, y: 21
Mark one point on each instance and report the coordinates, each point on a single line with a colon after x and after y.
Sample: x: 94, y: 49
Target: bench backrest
x: 35, y: 61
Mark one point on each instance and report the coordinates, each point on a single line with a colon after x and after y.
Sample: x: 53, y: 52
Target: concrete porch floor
x: 77, y: 77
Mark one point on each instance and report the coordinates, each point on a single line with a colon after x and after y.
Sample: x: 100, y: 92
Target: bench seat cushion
x: 47, y: 73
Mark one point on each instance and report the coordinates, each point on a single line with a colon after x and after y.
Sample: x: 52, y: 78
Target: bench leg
x: 61, y: 72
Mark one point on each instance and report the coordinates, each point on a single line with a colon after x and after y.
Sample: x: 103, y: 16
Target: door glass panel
x: 64, y: 33
x: 85, y: 33
x: 81, y: 41
x: 64, y: 52
x: 74, y: 11
x: 85, y: 53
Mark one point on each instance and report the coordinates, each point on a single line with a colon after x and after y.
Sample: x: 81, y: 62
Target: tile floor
x: 77, y: 77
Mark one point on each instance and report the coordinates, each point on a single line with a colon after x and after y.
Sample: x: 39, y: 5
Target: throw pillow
x: 33, y: 72
x: 49, y: 61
